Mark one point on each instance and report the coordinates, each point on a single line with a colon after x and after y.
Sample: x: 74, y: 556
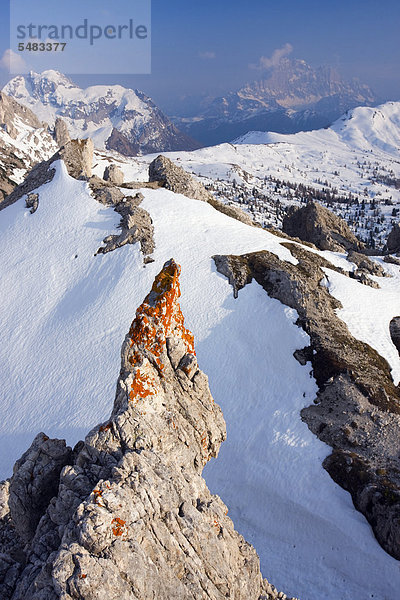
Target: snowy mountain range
x: 114, y: 117
x: 293, y: 97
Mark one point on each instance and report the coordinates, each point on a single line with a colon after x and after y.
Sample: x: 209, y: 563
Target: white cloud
x: 207, y: 55
x: 274, y: 60
x: 12, y: 62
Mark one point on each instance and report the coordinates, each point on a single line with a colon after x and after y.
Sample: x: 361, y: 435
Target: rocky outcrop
x: 78, y: 157
x: 357, y: 411
x: 104, y: 191
x: 163, y: 171
x: 61, y: 133
x: 131, y: 516
x: 316, y: 224
x: 365, y: 265
x: 136, y: 226
x: 393, y: 241
x: 176, y: 179
x: 113, y: 174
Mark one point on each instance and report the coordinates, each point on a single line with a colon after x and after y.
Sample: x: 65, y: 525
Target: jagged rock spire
x: 132, y: 517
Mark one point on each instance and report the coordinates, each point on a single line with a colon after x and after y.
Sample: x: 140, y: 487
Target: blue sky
x: 207, y: 46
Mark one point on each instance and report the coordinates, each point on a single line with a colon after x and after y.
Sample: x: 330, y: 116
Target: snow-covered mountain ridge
x: 311, y: 541
x: 113, y: 116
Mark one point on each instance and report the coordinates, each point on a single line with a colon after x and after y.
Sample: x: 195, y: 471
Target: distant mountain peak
x: 115, y: 117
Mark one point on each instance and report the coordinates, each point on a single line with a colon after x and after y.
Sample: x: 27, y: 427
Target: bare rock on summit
x: 132, y: 517
x: 316, y: 224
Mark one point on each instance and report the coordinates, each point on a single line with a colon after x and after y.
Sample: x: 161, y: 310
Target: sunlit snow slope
x: 64, y: 315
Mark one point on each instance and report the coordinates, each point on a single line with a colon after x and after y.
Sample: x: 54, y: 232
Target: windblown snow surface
x: 64, y: 314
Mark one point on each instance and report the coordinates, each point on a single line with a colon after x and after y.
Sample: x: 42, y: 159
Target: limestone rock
x: 393, y: 241
x: 61, y: 133
x: 105, y: 192
x: 132, y: 517
x: 35, y: 482
x: 176, y: 179
x: 365, y: 264
x: 316, y: 224
x: 113, y: 174
x: 78, y: 157
x: 136, y: 226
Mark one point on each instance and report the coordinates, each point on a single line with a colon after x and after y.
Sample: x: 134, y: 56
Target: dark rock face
x: 163, y: 171
x: 357, y: 410
x: 393, y: 241
x: 117, y: 141
x: 318, y: 225
x: 131, y: 516
x: 395, y: 332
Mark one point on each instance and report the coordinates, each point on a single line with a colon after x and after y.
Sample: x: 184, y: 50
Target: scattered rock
x: 316, y: 224
x: 32, y: 202
x: 77, y: 156
x: 392, y: 260
x: 105, y: 192
x: 113, y: 174
x: 365, y: 265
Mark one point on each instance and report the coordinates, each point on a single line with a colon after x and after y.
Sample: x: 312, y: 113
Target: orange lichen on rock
x: 158, y: 318
x: 160, y: 315
x: 118, y: 526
